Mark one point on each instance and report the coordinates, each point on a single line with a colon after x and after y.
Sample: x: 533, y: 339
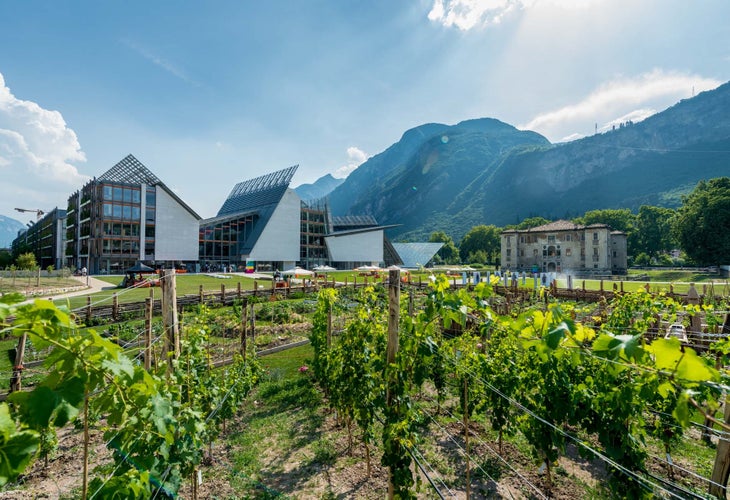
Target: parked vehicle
x: 676, y: 330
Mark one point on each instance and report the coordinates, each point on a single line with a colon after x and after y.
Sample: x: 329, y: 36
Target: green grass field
x: 658, y: 280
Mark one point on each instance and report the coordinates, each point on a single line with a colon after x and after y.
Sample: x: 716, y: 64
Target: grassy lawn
x: 31, y: 285
x: 186, y: 284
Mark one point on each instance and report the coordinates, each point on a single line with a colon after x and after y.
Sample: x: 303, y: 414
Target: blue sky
x: 208, y: 94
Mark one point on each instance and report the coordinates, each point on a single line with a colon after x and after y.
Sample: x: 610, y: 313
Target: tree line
x: 699, y: 228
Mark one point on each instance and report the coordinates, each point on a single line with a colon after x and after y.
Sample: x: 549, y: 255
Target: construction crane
x: 38, y: 212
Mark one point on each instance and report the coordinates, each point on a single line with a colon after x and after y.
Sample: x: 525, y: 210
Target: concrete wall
x: 280, y: 239
x: 358, y: 247
x: 176, y: 230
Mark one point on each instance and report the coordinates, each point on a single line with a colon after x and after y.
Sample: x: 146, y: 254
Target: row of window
x: 533, y: 238
x: 127, y: 212
x: 128, y: 247
x: 117, y: 193
x: 129, y: 230
x: 553, y: 253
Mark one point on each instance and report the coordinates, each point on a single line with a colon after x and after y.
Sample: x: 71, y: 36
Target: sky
x: 209, y: 94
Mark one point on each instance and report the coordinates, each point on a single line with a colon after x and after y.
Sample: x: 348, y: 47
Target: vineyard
x: 441, y: 392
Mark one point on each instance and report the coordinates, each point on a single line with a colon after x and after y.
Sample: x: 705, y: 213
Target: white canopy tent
x: 297, y: 271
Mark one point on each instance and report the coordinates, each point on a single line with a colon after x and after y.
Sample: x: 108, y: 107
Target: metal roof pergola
x: 130, y: 171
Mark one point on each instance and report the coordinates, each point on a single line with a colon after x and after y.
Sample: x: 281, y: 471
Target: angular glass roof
x: 258, y: 192
x: 414, y: 255
x: 130, y: 171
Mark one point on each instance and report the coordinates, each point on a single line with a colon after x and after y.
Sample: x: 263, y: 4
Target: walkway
x: 94, y: 285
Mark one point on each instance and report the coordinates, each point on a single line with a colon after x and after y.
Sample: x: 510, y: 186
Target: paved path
x: 97, y: 285
x: 94, y: 285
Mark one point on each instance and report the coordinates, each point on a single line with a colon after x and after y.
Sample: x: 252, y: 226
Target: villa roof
x: 558, y: 225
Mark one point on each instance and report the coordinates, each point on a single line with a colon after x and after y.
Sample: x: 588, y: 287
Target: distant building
x: 563, y: 246
x: 265, y: 224
x: 45, y: 239
x: 415, y: 255
x: 127, y: 215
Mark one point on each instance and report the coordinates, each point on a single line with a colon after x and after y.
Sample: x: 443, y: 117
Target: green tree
x: 485, y: 238
x: 531, y: 222
x: 702, y: 224
x: 26, y: 261
x: 654, y: 230
x: 5, y: 258
x: 478, y: 257
x: 448, y: 253
x: 620, y: 219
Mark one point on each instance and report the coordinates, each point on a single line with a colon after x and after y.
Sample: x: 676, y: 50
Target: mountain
x: 9, y: 230
x: 450, y: 178
x: 321, y: 188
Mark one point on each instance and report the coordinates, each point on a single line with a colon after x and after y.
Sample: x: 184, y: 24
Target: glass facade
x: 220, y: 242
x: 313, y: 227
x: 104, y: 227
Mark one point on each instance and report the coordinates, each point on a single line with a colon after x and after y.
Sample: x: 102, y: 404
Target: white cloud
x: 635, y: 116
x: 356, y: 157
x: 36, y: 148
x: 624, y: 97
x: 468, y: 14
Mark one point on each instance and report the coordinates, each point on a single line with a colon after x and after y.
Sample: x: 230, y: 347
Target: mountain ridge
x: 484, y: 171
x: 9, y: 228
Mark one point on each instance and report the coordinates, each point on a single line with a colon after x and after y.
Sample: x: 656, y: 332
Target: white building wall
x: 280, y: 239
x: 358, y: 247
x: 176, y: 229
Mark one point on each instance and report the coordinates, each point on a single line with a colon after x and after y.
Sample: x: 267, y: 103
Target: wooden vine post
x: 169, y: 316
x: 253, y: 327
x: 16, y: 380
x: 392, y: 350
x: 85, y: 481
x: 244, y: 321
x: 466, y: 438
x: 115, y: 307
x: 148, y: 333
x: 721, y: 469
x: 329, y: 328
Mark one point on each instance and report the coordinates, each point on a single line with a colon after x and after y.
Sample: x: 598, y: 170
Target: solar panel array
x: 343, y: 222
x: 258, y: 192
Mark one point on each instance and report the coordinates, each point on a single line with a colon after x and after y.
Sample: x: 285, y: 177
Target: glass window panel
x: 117, y: 211
x: 127, y: 195
x: 150, y: 198
x: 150, y: 214
x: 108, y: 193
x: 135, y: 196
x: 135, y: 213
x: 107, y: 209
x: 127, y: 212
x: 118, y: 194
